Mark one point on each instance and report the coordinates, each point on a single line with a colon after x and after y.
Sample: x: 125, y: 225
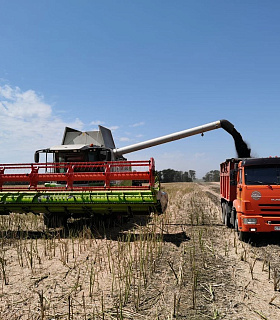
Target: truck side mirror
x: 36, y: 157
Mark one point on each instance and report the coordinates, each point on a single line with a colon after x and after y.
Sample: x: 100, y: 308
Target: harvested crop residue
x: 184, y: 264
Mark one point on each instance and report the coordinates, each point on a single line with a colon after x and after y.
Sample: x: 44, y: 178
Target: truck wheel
x: 244, y: 236
x: 223, y: 212
x: 52, y: 220
x: 227, y: 216
x: 227, y: 220
x: 236, y: 225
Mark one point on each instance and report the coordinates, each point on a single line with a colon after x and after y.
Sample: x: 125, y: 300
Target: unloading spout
x: 241, y: 147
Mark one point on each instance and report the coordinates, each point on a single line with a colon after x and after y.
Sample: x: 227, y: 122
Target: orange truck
x: 250, y: 195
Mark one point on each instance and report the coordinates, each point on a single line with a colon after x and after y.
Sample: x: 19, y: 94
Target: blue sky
x: 143, y: 68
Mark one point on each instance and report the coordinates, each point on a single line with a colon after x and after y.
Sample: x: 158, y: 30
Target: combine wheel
x: 52, y: 220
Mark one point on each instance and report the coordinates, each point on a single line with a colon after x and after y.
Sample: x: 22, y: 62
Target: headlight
x: 250, y: 220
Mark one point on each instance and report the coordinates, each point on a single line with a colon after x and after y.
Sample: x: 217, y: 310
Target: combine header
x: 61, y: 190
x: 87, y: 176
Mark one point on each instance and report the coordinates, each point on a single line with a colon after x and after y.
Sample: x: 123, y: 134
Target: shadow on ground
x: 265, y: 239
x: 115, y: 230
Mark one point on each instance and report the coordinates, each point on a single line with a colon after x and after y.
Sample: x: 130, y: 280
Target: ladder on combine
x: 80, y: 189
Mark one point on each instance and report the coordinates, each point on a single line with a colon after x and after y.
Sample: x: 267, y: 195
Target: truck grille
x: 273, y: 222
x: 270, y: 207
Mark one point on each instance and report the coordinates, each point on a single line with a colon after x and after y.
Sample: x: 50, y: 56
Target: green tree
x: 171, y: 175
x: 186, y: 177
x: 212, y: 176
x: 192, y: 174
x: 168, y: 175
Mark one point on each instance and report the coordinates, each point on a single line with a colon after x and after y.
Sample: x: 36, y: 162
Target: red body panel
x: 227, y: 186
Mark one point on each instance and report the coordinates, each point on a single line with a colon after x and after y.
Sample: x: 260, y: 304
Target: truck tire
x: 236, y: 225
x: 227, y: 216
x: 223, y: 212
x: 242, y: 236
x: 52, y: 220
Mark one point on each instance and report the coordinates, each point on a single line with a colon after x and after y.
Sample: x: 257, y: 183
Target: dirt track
x: 184, y: 264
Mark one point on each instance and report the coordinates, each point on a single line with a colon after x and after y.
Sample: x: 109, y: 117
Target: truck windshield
x: 267, y: 175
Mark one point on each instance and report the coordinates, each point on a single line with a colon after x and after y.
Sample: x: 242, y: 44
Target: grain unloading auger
x: 88, y: 177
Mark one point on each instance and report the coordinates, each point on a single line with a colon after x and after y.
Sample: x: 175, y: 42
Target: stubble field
x: 183, y: 264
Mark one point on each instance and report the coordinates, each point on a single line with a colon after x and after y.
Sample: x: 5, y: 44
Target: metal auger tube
x: 170, y: 137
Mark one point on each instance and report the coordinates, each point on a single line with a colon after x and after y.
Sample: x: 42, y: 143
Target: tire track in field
x: 254, y: 270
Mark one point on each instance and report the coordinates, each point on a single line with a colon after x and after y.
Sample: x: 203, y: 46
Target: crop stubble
x: 184, y: 264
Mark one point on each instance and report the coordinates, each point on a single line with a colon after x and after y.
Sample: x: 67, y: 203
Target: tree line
x: 212, y: 176
x: 171, y: 175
